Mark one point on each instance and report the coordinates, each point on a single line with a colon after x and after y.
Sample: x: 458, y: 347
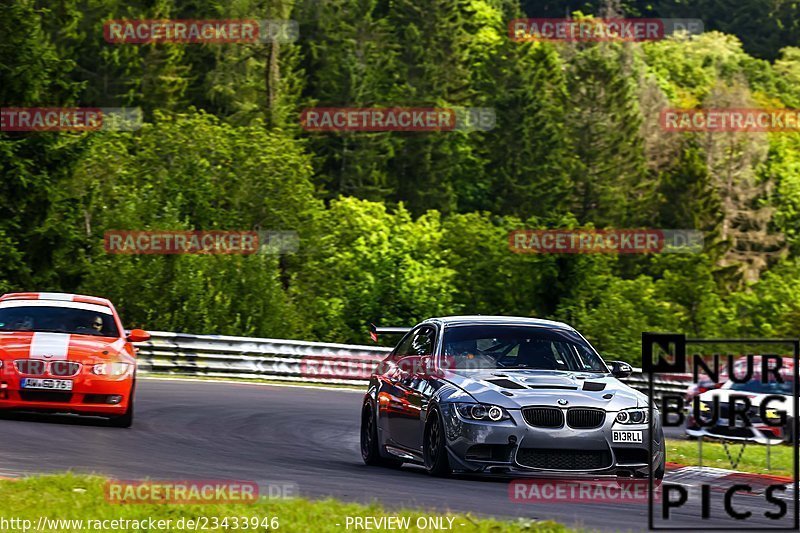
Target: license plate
x: 626, y: 436
x: 47, y: 384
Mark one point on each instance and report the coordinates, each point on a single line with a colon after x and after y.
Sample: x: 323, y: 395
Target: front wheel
x: 661, y: 470
x: 370, y: 452
x: 788, y: 436
x: 434, y: 451
x: 124, y: 420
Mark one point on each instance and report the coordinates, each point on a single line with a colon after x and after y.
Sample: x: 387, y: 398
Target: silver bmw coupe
x: 508, y: 395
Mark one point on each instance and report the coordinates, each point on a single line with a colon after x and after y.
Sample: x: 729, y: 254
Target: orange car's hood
x: 57, y: 346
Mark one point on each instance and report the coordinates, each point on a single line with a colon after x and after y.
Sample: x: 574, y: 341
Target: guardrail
x: 288, y: 360
x: 253, y: 358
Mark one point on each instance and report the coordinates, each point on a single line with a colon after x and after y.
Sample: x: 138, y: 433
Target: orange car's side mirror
x: 138, y: 335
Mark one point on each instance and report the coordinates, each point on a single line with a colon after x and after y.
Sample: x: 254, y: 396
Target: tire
x: 659, y: 472
x: 434, y: 449
x: 370, y: 451
x: 789, y: 435
x: 124, y: 420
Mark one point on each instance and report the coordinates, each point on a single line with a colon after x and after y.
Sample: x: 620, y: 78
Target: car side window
x: 404, y: 347
x: 422, y: 343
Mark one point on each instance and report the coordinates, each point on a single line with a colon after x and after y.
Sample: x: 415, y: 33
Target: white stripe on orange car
x: 49, y: 346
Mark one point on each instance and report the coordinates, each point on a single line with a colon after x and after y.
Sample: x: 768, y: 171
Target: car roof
x: 499, y: 320
x: 58, y: 296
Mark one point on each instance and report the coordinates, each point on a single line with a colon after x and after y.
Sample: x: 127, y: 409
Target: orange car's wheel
x: 124, y: 420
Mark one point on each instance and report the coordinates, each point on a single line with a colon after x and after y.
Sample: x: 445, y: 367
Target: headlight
x: 482, y: 411
x: 773, y: 414
x: 110, y: 369
x: 633, y: 416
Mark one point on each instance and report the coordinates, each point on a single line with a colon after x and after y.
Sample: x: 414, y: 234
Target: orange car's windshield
x: 58, y: 320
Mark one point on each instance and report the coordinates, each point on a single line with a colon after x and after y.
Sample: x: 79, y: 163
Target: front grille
x: 30, y: 367
x: 37, y: 367
x: 64, y: 368
x: 725, y: 431
x: 580, y: 418
x: 489, y: 452
x: 564, y: 459
x: 753, y: 414
x: 543, y: 417
x: 45, y: 396
x: 631, y: 455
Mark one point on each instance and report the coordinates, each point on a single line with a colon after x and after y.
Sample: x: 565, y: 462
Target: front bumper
x: 90, y: 395
x: 513, y: 445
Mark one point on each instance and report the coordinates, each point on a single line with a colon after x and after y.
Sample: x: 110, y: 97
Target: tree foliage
x: 396, y: 227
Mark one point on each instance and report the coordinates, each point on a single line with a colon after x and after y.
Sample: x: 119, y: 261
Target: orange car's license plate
x: 47, y: 384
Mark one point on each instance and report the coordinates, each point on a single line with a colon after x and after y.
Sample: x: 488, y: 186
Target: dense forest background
x: 397, y: 227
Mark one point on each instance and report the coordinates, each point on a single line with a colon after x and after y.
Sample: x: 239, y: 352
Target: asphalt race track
x: 208, y: 430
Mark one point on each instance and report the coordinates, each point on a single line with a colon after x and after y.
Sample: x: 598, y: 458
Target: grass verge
x: 754, y: 457
x: 76, y: 497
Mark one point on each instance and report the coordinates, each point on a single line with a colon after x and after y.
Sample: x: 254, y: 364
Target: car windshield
x: 771, y: 387
x: 519, y: 347
x: 58, y: 319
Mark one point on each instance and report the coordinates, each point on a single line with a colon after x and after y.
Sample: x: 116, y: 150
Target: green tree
x: 604, y: 122
x: 372, y: 265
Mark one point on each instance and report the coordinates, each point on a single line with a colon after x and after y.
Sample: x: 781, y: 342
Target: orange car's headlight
x: 110, y: 369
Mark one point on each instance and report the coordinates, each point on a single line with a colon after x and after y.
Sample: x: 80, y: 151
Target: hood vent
x: 593, y: 386
x: 559, y: 387
x: 506, y: 383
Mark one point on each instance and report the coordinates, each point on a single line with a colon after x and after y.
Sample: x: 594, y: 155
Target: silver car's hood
x: 513, y: 389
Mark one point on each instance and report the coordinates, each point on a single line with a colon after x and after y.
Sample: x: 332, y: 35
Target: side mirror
x: 620, y: 369
x: 138, y: 335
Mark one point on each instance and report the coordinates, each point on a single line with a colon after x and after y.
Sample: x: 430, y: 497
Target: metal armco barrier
x: 288, y: 360
x: 245, y: 357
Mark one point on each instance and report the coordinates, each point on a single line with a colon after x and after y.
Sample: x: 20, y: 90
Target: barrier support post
x: 769, y: 449
x: 700, y: 450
